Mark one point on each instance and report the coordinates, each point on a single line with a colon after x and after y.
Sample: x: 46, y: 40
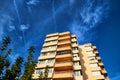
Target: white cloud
x: 11, y: 28
x: 33, y: 2
x: 89, y: 16
x: 23, y: 27
x: 5, y: 19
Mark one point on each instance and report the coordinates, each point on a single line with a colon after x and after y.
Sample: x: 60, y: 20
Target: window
x: 50, y: 70
x: 91, y: 58
x: 41, y: 62
x: 75, y: 55
x: 94, y: 65
x: 44, y: 54
x: 88, y: 47
x: 52, y: 53
x: 96, y: 73
x: 77, y: 73
x: 49, y: 47
x: 76, y: 63
x: 50, y: 60
x: 74, y: 43
x: 74, y: 48
x: 53, y: 46
x: 89, y: 52
x: 38, y: 71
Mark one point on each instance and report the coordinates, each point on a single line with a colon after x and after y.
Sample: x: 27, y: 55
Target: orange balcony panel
x: 64, y: 33
x: 64, y: 65
x: 64, y: 48
x: 64, y: 42
x: 51, y: 35
x: 63, y: 57
x: 98, y: 58
x: 94, y: 47
x: 73, y: 36
x: 64, y: 37
x: 104, y: 72
x: 96, y: 52
x: 61, y: 75
x: 100, y: 64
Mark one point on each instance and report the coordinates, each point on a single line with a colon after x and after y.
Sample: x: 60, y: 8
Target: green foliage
x: 5, y: 43
x: 29, y: 65
x: 44, y: 75
x: 4, y: 62
x: 15, y: 71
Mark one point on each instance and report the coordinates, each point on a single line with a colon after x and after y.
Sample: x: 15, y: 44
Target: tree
x: 44, y: 75
x: 4, y: 62
x: 5, y: 43
x: 29, y: 65
x: 15, y: 71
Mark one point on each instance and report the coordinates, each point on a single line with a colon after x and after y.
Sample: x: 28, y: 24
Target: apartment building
x: 69, y: 61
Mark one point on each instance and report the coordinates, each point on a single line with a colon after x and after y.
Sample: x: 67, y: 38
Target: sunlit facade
x: 69, y: 61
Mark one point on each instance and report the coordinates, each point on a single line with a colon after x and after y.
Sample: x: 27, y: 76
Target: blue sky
x: 97, y: 21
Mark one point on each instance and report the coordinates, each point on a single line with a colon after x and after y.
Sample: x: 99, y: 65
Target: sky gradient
x: 93, y: 21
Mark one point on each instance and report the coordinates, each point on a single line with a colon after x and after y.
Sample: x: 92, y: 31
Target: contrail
x: 15, y: 5
x: 18, y: 15
x: 54, y: 16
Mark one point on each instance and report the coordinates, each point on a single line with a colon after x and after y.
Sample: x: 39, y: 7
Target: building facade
x: 69, y: 61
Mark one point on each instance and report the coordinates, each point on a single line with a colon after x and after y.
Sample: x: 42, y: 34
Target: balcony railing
x: 63, y: 48
x: 63, y: 75
x: 63, y: 65
x: 64, y: 37
x: 64, y: 42
x: 63, y: 57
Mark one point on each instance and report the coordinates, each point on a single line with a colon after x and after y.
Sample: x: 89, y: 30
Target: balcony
x: 64, y: 33
x: 64, y: 48
x: 48, y: 49
x: 51, y: 38
x: 74, y: 45
x: 100, y: 64
x: 96, y: 52
x: 63, y: 57
x: 50, y: 43
x: 64, y: 37
x: 51, y: 35
x: 74, y: 40
x: 93, y: 61
x: 104, y: 72
x: 64, y: 65
x: 94, y: 47
x: 98, y: 58
x: 73, y: 36
x: 59, y: 75
x: 95, y: 68
x: 64, y: 42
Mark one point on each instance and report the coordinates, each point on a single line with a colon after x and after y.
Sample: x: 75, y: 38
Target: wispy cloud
x: 23, y: 27
x: 13, y: 57
x: 4, y: 18
x: 116, y: 77
x: 11, y: 28
x: 91, y: 13
x: 33, y: 2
